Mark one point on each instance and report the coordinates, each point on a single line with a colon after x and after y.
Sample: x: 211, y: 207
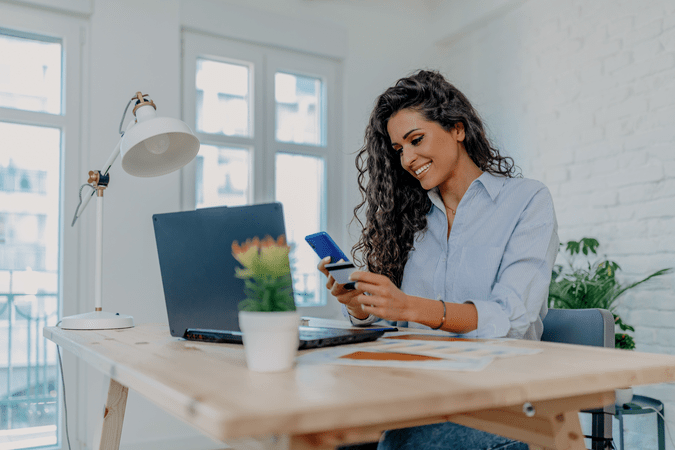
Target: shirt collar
x: 492, y: 183
x: 435, y: 197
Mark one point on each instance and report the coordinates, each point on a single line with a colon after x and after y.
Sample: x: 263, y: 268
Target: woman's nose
x: 407, y: 156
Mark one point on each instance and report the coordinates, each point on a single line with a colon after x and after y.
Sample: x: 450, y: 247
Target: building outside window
x: 34, y: 120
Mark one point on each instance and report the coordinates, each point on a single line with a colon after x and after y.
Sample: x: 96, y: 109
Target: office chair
x: 585, y: 327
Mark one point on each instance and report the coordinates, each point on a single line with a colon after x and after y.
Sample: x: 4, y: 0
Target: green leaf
x: 623, y: 326
x: 655, y: 274
x: 573, y: 247
x: 268, y: 293
x: 624, y: 341
x: 589, y: 244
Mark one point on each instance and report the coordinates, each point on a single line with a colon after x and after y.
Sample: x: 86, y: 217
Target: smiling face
x: 427, y: 151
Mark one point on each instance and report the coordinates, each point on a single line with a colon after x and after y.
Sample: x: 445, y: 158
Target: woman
x: 452, y: 240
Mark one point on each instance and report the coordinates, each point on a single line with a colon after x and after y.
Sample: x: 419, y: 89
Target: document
x: 419, y: 351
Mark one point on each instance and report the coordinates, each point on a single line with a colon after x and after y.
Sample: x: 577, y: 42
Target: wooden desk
x: 321, y: 406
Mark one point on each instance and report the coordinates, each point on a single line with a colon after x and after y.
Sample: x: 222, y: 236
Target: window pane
x: 300, y: 182
x: 30, y: 74
x: 298, y: 109
x: 223, y: 98
x: 29, y: 290
x: 223, y: 176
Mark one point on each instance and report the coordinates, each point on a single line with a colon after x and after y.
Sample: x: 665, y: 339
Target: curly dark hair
x: 395, y: 204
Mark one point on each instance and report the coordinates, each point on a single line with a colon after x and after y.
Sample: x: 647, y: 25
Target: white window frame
x: 267, y: 61
x: 200, y: 46
x: 72, y: 32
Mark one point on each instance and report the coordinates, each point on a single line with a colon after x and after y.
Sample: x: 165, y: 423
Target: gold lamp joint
x: 142, y: 101
x: 99, y: 181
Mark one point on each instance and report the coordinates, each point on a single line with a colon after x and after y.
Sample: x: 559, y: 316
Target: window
x: 37, y: 107
x: 267, y: 120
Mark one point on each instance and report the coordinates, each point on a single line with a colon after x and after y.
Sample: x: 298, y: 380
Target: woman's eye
x: 417, y: 141
x: 398, y: 150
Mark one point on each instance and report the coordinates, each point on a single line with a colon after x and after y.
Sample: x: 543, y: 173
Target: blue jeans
x: 445, y: 436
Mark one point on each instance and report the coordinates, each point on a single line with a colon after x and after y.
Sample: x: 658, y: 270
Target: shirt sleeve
x: 359, y: 322
x: 521, y: 287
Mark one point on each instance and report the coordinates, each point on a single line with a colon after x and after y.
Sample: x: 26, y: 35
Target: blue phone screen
x: 324, y: 246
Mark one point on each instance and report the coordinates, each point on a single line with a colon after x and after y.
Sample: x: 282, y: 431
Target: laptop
x: 198, y: 273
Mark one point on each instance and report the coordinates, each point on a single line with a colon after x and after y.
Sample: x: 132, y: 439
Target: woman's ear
x: 459, y: 131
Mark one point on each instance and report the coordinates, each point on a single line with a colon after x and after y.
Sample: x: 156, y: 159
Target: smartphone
x: 341, y: 272
x: 324, y: 246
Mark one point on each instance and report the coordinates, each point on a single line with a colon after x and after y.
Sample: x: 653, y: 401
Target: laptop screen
x: 197, y: 266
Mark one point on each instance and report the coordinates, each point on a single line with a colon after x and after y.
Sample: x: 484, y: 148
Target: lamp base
x: 97, y: 320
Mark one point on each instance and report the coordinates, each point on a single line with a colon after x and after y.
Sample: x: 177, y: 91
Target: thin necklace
x: 452, y: 211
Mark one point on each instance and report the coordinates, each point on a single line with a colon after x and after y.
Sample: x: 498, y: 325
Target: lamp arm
x: 112, y: 158
x: 106, y: 168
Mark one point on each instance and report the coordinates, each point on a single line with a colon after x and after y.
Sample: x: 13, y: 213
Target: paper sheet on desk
x: 419, y: 351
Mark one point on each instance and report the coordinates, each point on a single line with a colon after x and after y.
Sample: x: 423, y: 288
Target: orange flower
x: 262, y: 258
x: 254, y: 242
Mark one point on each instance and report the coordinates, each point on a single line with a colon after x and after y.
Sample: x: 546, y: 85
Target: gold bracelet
x: 443, y: 319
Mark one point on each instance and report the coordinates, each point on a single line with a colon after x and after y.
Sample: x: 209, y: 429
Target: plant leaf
x: 573, y: 247
x: 655, y: 274
x: 589, y: 245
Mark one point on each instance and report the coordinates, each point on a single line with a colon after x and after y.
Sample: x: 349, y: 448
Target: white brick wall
x: 582, y: 94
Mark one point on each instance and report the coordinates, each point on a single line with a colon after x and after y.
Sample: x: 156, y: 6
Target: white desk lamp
x: 151, y: 146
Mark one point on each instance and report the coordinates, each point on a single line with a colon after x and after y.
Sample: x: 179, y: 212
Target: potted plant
x: 592, y: 285
x: 267, y: 316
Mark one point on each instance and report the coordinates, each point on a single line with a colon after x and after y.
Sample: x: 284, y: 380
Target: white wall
x: 133, y: 46
x: 582, y: 94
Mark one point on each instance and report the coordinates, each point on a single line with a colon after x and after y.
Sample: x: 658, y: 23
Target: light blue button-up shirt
x: 499, y: 256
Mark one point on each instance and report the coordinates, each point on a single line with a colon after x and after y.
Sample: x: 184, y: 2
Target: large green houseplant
x: 592, y: 285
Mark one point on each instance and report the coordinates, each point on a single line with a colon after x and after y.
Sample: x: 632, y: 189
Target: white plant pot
x: 623, y: 396
x: 270, y: 339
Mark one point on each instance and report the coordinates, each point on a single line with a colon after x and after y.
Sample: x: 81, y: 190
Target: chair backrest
x: 579, y: 326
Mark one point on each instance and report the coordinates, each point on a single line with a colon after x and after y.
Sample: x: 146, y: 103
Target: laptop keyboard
x: 309, y: 337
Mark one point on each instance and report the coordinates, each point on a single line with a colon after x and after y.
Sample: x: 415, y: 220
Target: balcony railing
x: 28, y: 370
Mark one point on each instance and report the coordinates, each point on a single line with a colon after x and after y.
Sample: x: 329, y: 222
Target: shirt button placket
x: 440, y: 293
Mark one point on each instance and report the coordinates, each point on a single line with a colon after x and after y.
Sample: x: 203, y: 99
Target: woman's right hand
x: 344, y: 296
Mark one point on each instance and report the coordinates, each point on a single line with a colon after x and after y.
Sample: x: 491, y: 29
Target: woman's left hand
x: 386, y: 301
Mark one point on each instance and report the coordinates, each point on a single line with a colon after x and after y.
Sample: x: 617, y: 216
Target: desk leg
x: 543, y: 432
x: 660, y: 427
x: 555, y: 425
x: 560, y: 431
x: 113, y: 416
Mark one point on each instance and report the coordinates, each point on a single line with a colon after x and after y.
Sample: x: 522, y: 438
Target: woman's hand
x: 344, y: 296
x: 385, y: 300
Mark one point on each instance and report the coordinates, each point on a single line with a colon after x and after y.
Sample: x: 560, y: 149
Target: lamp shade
x: 153, y: 146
